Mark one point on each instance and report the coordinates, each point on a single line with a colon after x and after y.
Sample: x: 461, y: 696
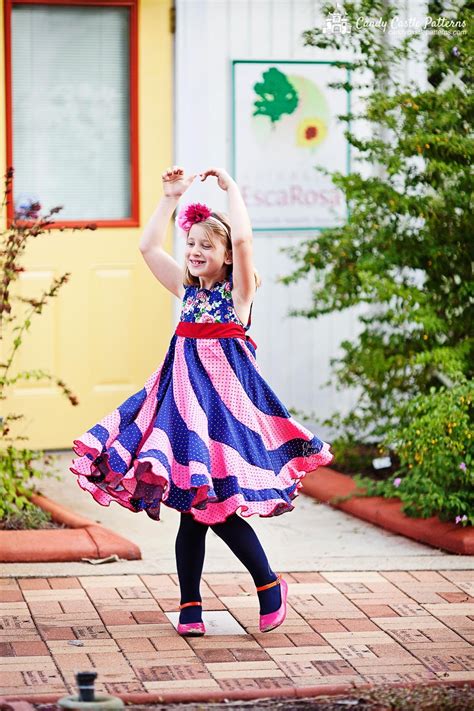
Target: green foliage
x: 406, y: 250
x: 30, y: 518
x: 17, y: 477
x: 17, y: 474
x: 278, y: 95
x: 433, y: 439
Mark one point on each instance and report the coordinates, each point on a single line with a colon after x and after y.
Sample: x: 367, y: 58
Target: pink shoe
x: 191, y: 629
x: 274, y: 619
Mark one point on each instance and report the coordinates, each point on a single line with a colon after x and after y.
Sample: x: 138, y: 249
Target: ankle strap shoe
x: 274, y: 619
x: 191, y: 629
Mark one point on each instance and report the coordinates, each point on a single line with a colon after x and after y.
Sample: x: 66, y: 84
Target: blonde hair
x: 217, y: 225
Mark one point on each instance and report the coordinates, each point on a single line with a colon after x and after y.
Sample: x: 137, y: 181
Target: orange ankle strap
x: 188, y: 604
x: 270, y: 585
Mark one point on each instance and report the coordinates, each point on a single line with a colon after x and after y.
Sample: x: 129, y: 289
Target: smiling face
x: 205, y: 259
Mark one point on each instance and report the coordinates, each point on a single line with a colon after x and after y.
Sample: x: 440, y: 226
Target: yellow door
x: 109, y: 326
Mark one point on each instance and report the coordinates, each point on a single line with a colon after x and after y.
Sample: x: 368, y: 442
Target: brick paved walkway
x: 342, y: 627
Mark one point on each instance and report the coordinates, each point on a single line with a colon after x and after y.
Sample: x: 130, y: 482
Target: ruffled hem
x: 268, y: 508
x: 144, y: 487
x: 205, y: 435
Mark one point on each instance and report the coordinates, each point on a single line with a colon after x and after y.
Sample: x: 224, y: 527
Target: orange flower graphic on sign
x: 310, y: 132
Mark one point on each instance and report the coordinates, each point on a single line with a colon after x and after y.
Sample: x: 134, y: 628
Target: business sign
x: 284, y: 124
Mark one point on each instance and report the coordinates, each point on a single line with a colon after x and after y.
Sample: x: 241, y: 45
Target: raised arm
x: 241, y: 234
x: 162, y: 265
x: 238, y: 215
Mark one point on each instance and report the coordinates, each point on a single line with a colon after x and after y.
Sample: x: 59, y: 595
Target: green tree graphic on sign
x: 278, y: 95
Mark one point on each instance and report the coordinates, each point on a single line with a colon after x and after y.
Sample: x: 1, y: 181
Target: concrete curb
x: 323, y: 484
x: 82, y: 539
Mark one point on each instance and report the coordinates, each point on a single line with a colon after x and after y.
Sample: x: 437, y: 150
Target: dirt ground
x: 420, y: 698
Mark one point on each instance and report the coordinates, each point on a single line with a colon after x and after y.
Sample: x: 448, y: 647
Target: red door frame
x: 134, y: 219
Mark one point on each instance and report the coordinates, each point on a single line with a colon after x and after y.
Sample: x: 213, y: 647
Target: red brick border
x: 325, y: 483
x: 300, y: 692
x: 82, y: 539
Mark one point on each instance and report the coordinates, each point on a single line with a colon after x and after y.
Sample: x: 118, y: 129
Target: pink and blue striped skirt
x: 206, y: 434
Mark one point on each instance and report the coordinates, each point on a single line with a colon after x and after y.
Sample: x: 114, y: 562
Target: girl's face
x: 202, y: 258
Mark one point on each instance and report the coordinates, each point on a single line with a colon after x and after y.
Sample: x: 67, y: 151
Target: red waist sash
x: 212, y: 330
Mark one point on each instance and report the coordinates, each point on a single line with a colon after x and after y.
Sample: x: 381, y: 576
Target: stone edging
x: 82, y: 539
x: 325, y: 483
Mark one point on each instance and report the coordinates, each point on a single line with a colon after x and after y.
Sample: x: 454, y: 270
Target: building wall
x: 109, y: 327
x: 294, y: 352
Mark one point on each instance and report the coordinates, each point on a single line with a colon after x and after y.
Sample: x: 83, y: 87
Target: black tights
x: 243, y: 542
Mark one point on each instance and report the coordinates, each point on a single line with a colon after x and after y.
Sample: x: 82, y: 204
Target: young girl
x: 206, y: 435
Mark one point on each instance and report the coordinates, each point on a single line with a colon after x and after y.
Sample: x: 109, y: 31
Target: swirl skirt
x: 206, y: 435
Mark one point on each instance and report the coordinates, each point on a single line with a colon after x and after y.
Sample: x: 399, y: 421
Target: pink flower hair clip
x: 189, y: 215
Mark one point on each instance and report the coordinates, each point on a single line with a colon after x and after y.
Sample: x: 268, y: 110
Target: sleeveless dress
x: 206, y: 434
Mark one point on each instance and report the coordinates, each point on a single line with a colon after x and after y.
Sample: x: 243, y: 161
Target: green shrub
x: 17, y: 477
x: 434, y: 442
x: 405, y: 250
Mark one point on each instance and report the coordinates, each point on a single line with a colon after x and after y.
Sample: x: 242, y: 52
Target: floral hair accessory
x: 189, y: 215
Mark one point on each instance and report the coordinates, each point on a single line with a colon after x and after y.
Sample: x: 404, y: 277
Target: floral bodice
x: 211, y: 305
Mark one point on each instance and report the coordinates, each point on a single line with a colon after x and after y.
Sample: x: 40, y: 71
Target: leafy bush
x: 434, y: 441
x: 31, y: 517
x: 406, y: 250
x: 16, y: 479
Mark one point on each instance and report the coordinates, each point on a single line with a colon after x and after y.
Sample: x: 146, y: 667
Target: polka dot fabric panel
x: 206, y: 434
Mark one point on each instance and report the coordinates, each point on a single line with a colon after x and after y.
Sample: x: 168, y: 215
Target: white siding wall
x: 293, y: 352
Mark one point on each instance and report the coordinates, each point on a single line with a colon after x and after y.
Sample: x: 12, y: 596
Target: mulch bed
x: 359, y: 461
x: 422, y: 698
x: 33, y: 521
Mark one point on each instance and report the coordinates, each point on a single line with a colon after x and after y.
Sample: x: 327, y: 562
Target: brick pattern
x: 341, y: 627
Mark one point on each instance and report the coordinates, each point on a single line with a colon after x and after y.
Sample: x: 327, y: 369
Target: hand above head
x: 175, y: 182
x: 224, y: 180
